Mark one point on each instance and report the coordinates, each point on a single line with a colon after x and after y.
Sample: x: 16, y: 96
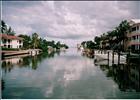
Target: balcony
x: 133, y: 34
x: 134, y: 42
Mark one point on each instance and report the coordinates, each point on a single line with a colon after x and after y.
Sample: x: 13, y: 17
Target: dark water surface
x: 68, y: 75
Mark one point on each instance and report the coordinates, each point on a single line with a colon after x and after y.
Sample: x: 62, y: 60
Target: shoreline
x: 6, y: 53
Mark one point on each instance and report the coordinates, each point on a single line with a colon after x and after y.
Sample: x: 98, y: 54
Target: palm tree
x: 58, y: 45
x: 10, y: 31
x: 26, y: 41
x: 122, y: 30
x: 35, y: 40
x: 3, y: 27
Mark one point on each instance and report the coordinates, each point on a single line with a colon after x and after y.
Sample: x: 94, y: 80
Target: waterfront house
x: 9, y: 41
x: 80, y: 47
x: 134, y: 35
x: 132, y: 42
x: 62, y: 49
x: 51, y: 49
x: 104, y: 44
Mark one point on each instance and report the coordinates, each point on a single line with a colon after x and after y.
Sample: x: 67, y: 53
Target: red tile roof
x: 5, y: 36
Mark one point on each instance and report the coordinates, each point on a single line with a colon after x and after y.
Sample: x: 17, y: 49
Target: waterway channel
x: 68, y: 75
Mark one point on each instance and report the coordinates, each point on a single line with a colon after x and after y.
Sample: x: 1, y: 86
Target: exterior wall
x: 16, y: 44
x: 12, y: 43
x: 6, y: 44
x: 134, y: 37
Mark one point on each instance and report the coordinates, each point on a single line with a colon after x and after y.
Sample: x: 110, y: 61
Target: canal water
x: 68, y: 75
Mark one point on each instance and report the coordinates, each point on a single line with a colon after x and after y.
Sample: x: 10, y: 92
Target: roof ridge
x: 6, y: 36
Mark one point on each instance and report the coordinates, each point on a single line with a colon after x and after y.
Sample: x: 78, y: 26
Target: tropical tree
x: 58, y: 45
x: 65, y: 46
x: 122, y: 30
x: 97, y: 40
x: 90, y: 44
x: 43, y: 44
x: 116, y: 38
x: 35, y: 40
x: 10, y: 31
x: 26, y: 41
x: 3, y: 27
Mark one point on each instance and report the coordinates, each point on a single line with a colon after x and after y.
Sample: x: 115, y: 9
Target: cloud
x: 67, y: 20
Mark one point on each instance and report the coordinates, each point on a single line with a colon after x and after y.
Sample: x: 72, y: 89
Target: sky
x: 69, y: 22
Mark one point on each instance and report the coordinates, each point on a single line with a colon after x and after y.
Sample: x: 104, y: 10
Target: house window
x: 133, y: 47
x: 19, y: 46
x: 19, y: 41
x: 4, y: 40
x: 5, y: 45
x: 136, y: 47
x: 9, y: 41
x: 9, y: 46
x: 133, y: 29
x: 134, y: 37
x: 137, y: 27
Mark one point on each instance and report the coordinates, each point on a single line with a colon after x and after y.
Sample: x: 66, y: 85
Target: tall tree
x: 58, y: 45
x: 90, y: 44
x: 122, y: 29
x: 10, y: 31
x: 35, y: 40
x: 43, y: 44
x: 26, y: 41
x: 97, y: 40
x: 3, y: 27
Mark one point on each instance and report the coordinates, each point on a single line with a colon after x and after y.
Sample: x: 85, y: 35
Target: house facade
x: 134, y: 35
x: 9, y: 41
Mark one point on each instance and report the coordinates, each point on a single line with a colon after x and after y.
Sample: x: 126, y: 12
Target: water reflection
x: 127, y: 76
x: 25, y: 61
x: 2, y: 84
x: 67, y: 75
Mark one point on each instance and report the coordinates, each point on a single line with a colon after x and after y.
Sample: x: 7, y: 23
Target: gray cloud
x: 67, y: 20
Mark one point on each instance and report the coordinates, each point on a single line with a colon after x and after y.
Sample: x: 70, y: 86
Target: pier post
x: 127, y: 57
x: 108, y: 57
x: 2, y: 55
x: 112, y: 57
x: 118, y: 57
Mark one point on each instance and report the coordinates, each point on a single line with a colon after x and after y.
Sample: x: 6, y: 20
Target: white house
x: 134, y: 34
x: 9, y: 41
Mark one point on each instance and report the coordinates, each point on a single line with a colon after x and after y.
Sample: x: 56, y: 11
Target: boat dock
x: 31, y: 52
x: 111, y: 56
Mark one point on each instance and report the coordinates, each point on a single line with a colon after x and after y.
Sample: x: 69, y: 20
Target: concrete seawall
x: 21, y: 52
x: 11, y: 53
